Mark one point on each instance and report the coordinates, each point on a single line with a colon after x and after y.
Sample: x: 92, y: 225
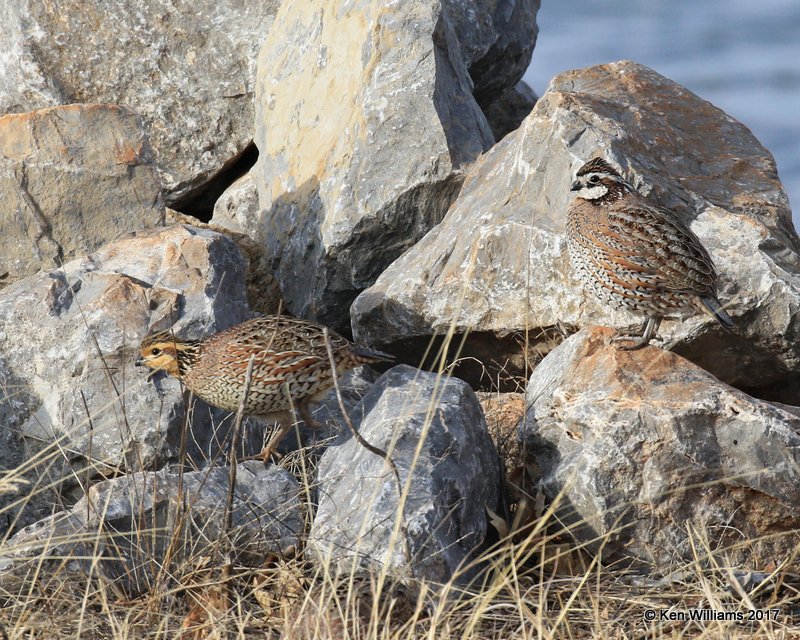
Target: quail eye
x: 594, y: 179
x: 155, y: 351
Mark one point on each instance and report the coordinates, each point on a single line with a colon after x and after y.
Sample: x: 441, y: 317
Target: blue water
x: 740, y: 55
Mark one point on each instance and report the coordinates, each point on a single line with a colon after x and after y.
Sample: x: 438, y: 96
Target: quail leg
x: 305, y: 414
x: 649, y: 329
x: 269, y: 449
x: 267, y: 452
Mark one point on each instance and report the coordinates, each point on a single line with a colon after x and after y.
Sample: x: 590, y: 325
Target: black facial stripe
x: 598, y: 165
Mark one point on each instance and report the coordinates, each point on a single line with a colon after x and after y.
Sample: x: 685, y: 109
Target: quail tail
x: 714, y: 308
x: 365, y: 355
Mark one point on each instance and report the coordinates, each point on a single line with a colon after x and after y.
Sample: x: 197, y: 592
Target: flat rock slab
x: 648, y: 452
x: 187, y: 68
x: 497, y: 265
x: 437, y: 436
x: 71, y: 179
x: 136, y: 530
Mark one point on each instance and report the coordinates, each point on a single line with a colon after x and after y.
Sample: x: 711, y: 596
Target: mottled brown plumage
x: 290, y: 368
x: 633, y: 254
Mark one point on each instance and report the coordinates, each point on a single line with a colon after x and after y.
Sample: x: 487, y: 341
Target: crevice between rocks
x: 487, y: 361
x: 199, y: 202
x: 718, y: 353
x: 492, y: 362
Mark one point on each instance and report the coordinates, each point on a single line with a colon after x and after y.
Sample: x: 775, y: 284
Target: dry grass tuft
x: 537, y: 583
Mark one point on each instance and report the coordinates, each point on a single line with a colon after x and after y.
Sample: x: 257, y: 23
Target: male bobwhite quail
x: 633, y: 254
x: 291, y: 366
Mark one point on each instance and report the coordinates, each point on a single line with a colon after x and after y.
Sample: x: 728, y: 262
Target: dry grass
x: 536, y: 583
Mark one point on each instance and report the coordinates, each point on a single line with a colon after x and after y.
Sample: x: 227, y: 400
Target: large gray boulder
x: 69, y: 339
x: 496, y: 40
x: 436, y: 434
x: 135, y: 530
x: 187, y: 68
x: 71, y: 179
x: 497, y: 265
x: 365, y: 120
x: 507, y: 112
x: 643, y: 452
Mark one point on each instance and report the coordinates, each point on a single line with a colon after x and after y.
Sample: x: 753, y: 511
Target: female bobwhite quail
x: 291, y: 366
x: 633, y: 254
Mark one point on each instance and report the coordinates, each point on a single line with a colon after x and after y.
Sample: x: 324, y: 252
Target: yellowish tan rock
x: 364, y: 121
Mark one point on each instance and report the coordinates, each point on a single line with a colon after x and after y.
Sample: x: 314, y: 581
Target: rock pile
x: 188, y: 69
x: 383, y: 202
x: 643, y: 449
x: 510, y: 275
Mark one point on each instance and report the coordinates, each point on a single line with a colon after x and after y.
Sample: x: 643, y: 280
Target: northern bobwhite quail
x: 291, y: 366
x: 633, y: 254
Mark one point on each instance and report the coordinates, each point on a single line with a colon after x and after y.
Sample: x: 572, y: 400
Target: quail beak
x: 139, y: 362
x: 575, y: 186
